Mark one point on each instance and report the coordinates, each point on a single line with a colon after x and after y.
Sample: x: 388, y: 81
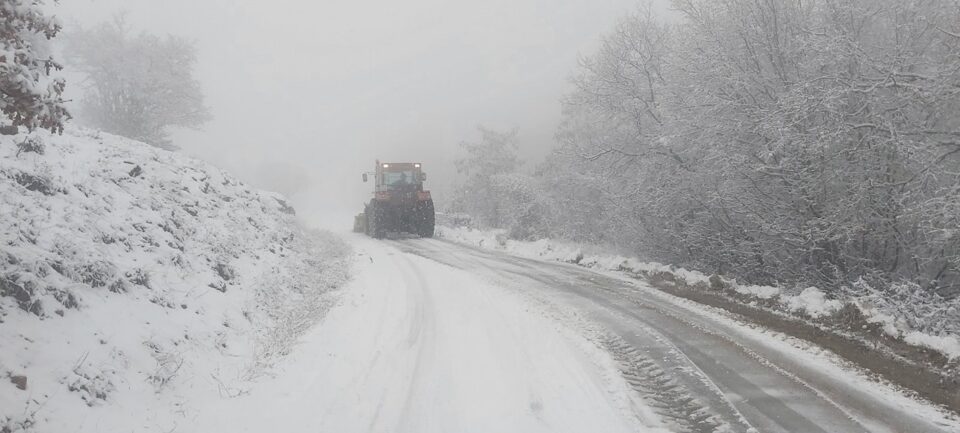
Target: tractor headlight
x: 416, y: 165
x: 386, y: 165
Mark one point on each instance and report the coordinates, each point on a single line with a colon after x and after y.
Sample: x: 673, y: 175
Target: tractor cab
x: 398, y: 176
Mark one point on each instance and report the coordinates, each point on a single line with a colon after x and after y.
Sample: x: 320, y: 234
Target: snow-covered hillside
x: 134, y: 281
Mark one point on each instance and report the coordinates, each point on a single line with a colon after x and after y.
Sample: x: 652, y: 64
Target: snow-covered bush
x: 524, y: 208
x: 908, y: 305
x: 495, y: 194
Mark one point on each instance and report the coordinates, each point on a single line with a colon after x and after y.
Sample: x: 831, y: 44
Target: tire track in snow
x: 382, y: 313
x: 674, y: 344
x: 521, y: 359
x: 417, y: 307
x: 669, y: 398
x: 656, y: 386
x: 421, y: 330
x: 751, y: 384
x: 658, y: 370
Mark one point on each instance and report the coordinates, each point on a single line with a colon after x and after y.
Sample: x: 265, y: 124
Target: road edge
x: 898, y: 363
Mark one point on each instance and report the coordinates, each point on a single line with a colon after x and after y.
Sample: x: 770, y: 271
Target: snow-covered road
x: 438, y: 337
x: 419, y: 346
x: 690, y: 360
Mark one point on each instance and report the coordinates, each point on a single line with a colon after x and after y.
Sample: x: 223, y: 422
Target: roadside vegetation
x: 783, y: 152
x: 789, y: 144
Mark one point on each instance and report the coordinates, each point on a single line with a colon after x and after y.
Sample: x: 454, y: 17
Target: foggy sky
x: 306, y: 94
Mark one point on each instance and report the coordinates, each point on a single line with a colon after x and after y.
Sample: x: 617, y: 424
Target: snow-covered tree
x: 813, y: 142
x: 136, y: 86
x: 29, y: 96
x: 495, y: 193
x: 523, y: 206
x: 495, y: 154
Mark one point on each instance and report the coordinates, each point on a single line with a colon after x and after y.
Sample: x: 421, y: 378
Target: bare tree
x: 137, y: 86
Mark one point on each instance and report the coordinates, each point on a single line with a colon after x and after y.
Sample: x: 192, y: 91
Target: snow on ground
x: 895, y: 317
x: 760, y: 292
x: 418, y: 346
x: 813, y: 302
x: 136, y: 282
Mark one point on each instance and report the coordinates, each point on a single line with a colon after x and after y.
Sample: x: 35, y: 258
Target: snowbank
x: 134, y: 281
x: 760, y: 292
x: 898, y: 318
x: 813, y: 302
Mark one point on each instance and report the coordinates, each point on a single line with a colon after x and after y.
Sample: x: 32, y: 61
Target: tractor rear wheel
x: 427, y: 220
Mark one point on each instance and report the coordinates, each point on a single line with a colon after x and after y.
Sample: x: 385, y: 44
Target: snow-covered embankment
x: 135, y: 281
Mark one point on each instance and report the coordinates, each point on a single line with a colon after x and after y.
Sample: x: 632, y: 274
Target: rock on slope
x: 135, y: 282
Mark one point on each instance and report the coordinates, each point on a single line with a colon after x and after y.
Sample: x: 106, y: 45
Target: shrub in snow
x: 905, y: 307
x: 717, y: 283
x: 65, y: 297
x: 225, y: 271
x: 813, y: 302
x: 98, y: 273
x: 23, y: 290
x: 32, y: 144
x: 495, y: 193
x: 137, y: 276
x: 36, y: 182
x: 91, y: 385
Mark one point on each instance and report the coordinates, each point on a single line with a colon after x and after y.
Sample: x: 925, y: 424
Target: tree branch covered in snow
x: 29, y: 96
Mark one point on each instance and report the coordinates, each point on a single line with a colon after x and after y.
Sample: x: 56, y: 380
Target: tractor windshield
x: 398, y: 179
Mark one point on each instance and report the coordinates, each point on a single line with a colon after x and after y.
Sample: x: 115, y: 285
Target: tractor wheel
x: 376, y: 221
x: 427, y: 220
x: 368, y: 219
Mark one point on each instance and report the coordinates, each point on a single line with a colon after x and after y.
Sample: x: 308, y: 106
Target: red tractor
x: 399, y: 203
